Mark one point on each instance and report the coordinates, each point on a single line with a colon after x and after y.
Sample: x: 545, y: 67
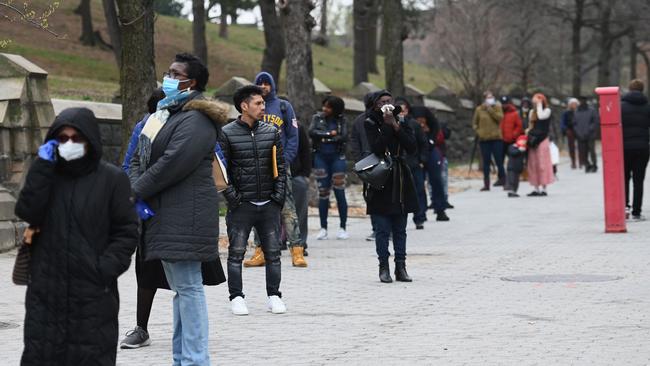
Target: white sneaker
x: 342, y: 234
x: 238, y: 306
x: 276, y: 305
x: 322, y: 234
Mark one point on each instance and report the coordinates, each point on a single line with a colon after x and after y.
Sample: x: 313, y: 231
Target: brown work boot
x: 257, y: 260
x: 297, y: 257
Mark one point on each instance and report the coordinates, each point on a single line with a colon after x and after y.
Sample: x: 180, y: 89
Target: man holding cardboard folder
x: 255, y: 194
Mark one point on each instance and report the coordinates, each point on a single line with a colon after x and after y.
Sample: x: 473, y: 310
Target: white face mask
x: 72, y: 150
x: 490, y: 101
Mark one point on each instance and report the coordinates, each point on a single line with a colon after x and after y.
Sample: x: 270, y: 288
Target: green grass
x: 91, y: 74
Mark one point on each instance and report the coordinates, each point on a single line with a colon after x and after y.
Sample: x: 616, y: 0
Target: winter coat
x: 301, y: 166
x: 511, y: 126
x: 359, y: 146
x: 635, y: 113
x: 178, y: 184
x: 250, y: 167
x: 566, y: 121
x: 585, y: 122
x: 133, y: 143
x: 320, y: 132
x: 88, y: 232
x: 486, y: 122
x: 398, y: 197
x: 516, y: 159
x: 421, y: 153
x: 280, y: 113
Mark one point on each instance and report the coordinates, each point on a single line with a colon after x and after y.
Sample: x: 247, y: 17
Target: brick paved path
x: 458, y: 311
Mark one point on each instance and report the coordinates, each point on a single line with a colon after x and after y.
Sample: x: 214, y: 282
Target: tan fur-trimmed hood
x: 216, y: 110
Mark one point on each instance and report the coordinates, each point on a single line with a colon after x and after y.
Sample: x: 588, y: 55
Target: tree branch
x: 29, y: 16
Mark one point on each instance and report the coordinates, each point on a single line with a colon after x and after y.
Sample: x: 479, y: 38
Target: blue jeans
x: 329, y: 169
x: 418, y: 178
x: 445, y: 178
x: 386, y: 224
x: 190, y: 340
x: 435, y: 172
x: 488, y: 150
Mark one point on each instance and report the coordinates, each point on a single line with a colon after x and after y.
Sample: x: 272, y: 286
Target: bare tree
x: 87, y: 37
x: 321, y: 38
x: 198, y: 31
x: 373, y: 20
x: 274, y: 39
x: 300, y: 85
x: 360, y: 13
x: 394, y: 34
x: 470, y: 44
x: 27, y: 14
x: 113, y: 25
x: 137, y: 74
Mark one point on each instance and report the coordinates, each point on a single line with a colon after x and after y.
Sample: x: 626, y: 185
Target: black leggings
x: 636, y: 161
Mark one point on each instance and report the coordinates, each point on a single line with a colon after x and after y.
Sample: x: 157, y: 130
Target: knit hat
x: 522, y: 142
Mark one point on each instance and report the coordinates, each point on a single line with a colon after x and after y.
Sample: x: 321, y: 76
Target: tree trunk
x: 233, y: 17
x: 605, y: 45
x: 633, y: 56
x: 300, y: 85
x: 393, y: 36
x: 373, y: 18
x: 223, y: 23
x: 110, y: 12
x: 87, y: 34
x: 322, y: 32
x: 137, y: 74
x: 576, y: 52
x: 198, y: 31
x: 274, y: 40
x: 646, y: 60
x: 360, y: 20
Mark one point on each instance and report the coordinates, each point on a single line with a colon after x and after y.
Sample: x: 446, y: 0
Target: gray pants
x: 301, y: 196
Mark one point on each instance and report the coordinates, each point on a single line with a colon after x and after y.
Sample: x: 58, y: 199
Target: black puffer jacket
x: 320, y: 132
x: 250, y: 169
x: 178, y: 184
x: 88, y: 234
x: 635, y: 113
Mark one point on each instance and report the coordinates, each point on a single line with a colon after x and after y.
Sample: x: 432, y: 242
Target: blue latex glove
x: 143, y: 210
x: 47, y: 151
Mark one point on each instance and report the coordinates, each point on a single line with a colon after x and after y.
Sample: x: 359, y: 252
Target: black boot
x: 400, y: 272
x: 384, y: 273
x: 486, y: 185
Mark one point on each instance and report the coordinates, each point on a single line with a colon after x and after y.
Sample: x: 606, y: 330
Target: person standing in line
x: 511, y: 126
x: 329, y: 133
x: 516, y: 162
x: 86, y: 231
x: 301, y: 169
x: 391, y: 204
x: 171, y: 175
x: 540, y: 166
x: 635, y: 113
x: 434, y: 163
x: 150, y: 274
x: 567, y: 127
x: 279, y: 112
x: 585, y: 122
x: 416, y: 161
x: 255, y: 194
x: 360, y: 148
x: 487, y: 118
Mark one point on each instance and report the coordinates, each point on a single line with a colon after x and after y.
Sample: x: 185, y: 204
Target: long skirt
x: 540, y: 167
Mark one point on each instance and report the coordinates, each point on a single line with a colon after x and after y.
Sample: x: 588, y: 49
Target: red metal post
x: 611, y: 132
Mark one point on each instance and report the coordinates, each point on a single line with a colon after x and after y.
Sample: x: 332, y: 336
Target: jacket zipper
x: 257, y: 166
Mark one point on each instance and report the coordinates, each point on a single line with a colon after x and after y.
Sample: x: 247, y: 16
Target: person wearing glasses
x: 176, y: 197
x: 86, y: 231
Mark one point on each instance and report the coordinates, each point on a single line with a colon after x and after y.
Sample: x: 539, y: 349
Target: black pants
x: 636, y: 161
x: 587, y: 151
x: 488, y: 150
x: 240, y: 222
x: 513, y: 180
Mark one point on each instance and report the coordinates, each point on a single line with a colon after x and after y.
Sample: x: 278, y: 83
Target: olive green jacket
x: 486, y: 122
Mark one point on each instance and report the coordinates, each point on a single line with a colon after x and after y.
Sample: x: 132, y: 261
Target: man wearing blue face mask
x: 171, y: 171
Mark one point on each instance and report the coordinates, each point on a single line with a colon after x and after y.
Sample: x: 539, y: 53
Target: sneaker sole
x: 134, y: 346
x: 277, y: 312
x: 241, y: 314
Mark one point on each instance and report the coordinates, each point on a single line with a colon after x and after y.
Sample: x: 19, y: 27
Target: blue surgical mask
x: 170, y: 87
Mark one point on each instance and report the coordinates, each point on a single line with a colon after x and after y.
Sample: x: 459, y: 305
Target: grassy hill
x: 90, y: 73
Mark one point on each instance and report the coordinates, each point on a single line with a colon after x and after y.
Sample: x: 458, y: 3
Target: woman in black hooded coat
x: 87, y: 232
x: 390, y: 205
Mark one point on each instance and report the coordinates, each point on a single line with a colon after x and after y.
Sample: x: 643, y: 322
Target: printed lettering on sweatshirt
x: 272, y: 118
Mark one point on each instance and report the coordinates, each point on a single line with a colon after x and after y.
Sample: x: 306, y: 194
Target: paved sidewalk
x: 458, y: 311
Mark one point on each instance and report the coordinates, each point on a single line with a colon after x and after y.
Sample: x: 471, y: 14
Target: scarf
x: 154, y: 124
